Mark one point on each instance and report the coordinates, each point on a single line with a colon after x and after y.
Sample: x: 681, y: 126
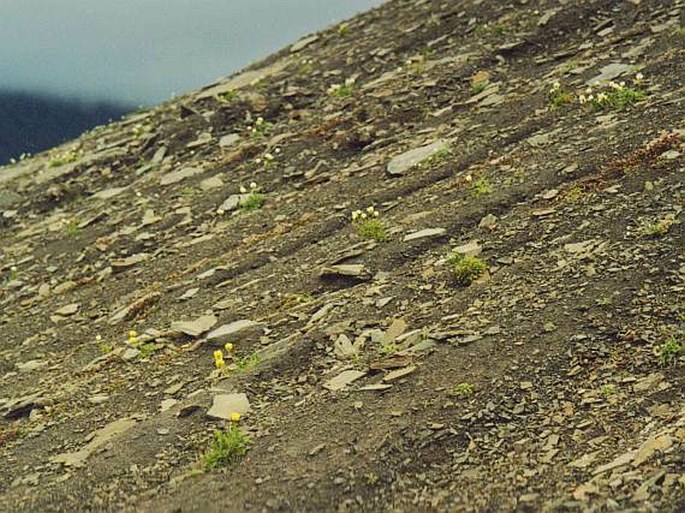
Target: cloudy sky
x: 144, y: 51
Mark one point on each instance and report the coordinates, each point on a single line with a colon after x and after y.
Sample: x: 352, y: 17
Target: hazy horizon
x: 141, y: 53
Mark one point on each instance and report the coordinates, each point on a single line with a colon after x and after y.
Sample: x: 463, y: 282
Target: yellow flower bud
x: 235, y: 416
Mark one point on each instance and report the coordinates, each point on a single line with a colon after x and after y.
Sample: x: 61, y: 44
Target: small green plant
x: 72, y: 227
x: 148, y: 349
x: 466, y: 268
x: 607, y: 391
x: 254, y: 201
x: 389, y: 349
x: 342, y: 90
x: 260, y: 128
x: 478, y: 87
x: 140, y: 130
x: 368, y: 225
x: 612, y: 95
x: 658, y: 228
x: 499, y: 29
x: 603, y: 301
x: 266, y: 160
x: 106, y: 348
x: 481, y: 187
x: 247, y: 363
x: 67, y: 157
x: 669, y: 352
x: 12, y: 274
x: 463, y: 389
x: 343, y: 29
x: 371, y: 478
x: 559, y: 96
x: 436, y: 158
x: 228, y: 96
x: 227, y: 447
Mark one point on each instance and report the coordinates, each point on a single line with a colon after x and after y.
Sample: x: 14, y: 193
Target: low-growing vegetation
x: 466, y: 268
x: 227, y: 447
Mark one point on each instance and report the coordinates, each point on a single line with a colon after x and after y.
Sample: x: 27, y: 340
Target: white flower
x: 363, y: 215
x: 614, y: 85
x: 590, y: 98
x: 98, y: 338
x: 243, y: 190
x: 370, y: 210
x: 375, y: 213
x: 260, y: 121
x: 601, y: 97
x: 639, y: 78
x: 582, y: 99
x: 622, y: 84
x: 268, y: 156
x: 277, y: 151
x: 220, y: 212
x: 556, y: 86
x: 253, y: 185
x: 258, y: 161
x: 350, y: 81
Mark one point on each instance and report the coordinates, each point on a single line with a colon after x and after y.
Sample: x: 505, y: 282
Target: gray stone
x: 610, y: 72
x: 178, y: 176
x: 343, y: 379
x: 404, y: 162
x: 422, y: 234
x: 109, y: 193
x: 224, y: 405
x: 196, y: 327
x: 303, y: 43
x: 343, y: 347
x: 489, y: 222
x: 8, y: 199
x: 68, y: 310
x: 351, y: 270
x: 228, y: 140
x: 97, y: 440
x: 228, y: 331
x: 213, y: 182
x: 471, y: 249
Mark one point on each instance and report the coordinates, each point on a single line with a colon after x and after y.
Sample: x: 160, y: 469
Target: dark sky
x: 144, y: 51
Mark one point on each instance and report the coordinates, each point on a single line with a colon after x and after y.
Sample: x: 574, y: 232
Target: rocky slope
x: 368, y: 376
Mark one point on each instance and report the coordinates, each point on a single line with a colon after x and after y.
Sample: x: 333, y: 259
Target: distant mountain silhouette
x: 30, y: 123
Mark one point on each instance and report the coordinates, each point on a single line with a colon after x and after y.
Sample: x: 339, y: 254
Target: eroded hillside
x: 547, y: 376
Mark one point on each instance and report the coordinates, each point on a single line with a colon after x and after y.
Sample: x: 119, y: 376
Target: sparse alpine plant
x: 368, y: 224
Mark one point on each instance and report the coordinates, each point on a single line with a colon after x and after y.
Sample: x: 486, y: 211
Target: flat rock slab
x: 399, y: 373
x: 196, y: 327
x: 124, y: 263
x: 228, y: 331
x: 68, y: 310
x: 343, y: 379
x: 224, y: 405
x: 233, y: 202
x: 470, y: 249
x: 610, y: 72
x: 303, y: 43
x: 109, y: 193
x: 345, y: 270
x: 179, y: 176
x: 423, y: 234
x: 228, y: 140
x: 404, y: 162
x: 97, y: 440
